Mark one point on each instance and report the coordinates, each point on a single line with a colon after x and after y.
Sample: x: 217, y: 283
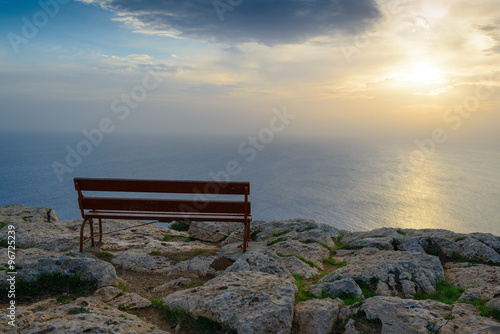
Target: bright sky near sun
x: 344, y: 67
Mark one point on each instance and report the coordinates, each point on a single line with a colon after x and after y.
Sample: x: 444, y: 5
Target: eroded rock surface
x: 33, y: 261
x: 248, y: 302
x: 256, y: 293
x: 83, y: 315
x: 396, y: 269
x: 316, y: 316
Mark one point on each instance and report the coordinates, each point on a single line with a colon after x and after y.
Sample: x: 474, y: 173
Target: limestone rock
x: 312, y: 252
x: 267, y: 229
x: 494, y: 303
x: 383, y: 289
x: 404, y: 315
x: 482, y: 281
x: 299, y: 267
x: 181, y: 282
x: 225, y: 228
x: 55, y: 236
x: 118, y: 298
x: 314, y: 235
x: 408, y: 244
x: 84, y: 315
x: 134, y: 236
x: 265, y: 262
x: 488, y: 239
x: 422, y: 269
x: 468, y: 275
x: 31, y: 262
x: 316, y: 316
x: 409, y: 288
x: 25, y: 213
x: 384, y: 232
x: 423, y: 316
x: 108, y: 293
x: 248, y: 302
x: 466, y: 319
x: 470, y: 248
x: 475, y: 247
x: 131, y: 301
x: 198, y: 266
x: 139, y: 260
x: 341, y: 288
x: 350, y: 327
x: 383, y: 243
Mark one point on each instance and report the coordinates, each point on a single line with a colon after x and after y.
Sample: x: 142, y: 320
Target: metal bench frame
x: 162, y: 210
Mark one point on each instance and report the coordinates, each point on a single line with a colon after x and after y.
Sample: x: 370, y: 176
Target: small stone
x: 180, y: 282
x: 409, y: 288
x: 340, y: 288
x: 316, y: 316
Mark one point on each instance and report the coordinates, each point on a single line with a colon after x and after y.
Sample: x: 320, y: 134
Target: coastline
x: 298, y: 276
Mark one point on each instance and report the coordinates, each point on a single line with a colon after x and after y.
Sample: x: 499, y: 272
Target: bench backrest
x: 201, y: 203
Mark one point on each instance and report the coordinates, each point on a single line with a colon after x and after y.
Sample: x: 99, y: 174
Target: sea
x: 352, y: 185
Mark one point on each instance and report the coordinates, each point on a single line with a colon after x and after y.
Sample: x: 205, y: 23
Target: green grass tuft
x: 445, y: 293
x: 351, y: 300
x: 179, y: 226
x: 3, y: 224
x: 484, y: 310
x: 122, y: 287
x: 330, y: 248
x: 188, y: 321
x: 332, y: 262
x: 275, y: 241
x: 82, y: 310
x: 192, y: 255
x: 65, y: 299
x: 338, y: 239
x: 155, y: 252
x: 302, y: 294
x: 253, y: 236
x: 309, y: 262
x: 104, y: 255
x: 316, y: 278
x: 280, y: 234
x: 48, y: 284
x: 368, y: 288
x: 123, y: 308
x: 403, y: 233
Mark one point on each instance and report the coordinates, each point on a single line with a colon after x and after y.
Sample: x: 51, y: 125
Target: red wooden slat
x: 161, y: 186
x: 165, y: 217
x: 162, y: 205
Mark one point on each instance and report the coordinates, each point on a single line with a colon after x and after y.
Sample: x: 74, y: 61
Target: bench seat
x: 199, y: 208
x: 166, y: 216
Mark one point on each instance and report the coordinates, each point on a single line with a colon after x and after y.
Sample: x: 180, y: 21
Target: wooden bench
x: 200, y: 208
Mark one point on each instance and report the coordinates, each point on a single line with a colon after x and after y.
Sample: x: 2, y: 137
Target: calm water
x: 339, y: 183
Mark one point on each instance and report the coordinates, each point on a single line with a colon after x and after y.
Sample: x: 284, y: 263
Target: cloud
x: 268, y: 22
x: 492, y: 31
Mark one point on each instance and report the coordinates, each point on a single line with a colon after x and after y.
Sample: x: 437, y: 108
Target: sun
x: 421, y: 73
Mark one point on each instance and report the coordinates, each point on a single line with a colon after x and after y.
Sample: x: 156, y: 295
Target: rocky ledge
x: 298, y: 276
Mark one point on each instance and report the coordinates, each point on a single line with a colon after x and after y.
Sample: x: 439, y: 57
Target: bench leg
x: 82, y: 228
x: 246, y: 236
x: 99, y: 244
x: 91, y: 223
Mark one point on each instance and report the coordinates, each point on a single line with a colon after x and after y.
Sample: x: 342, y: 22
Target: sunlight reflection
x: 418, y: 201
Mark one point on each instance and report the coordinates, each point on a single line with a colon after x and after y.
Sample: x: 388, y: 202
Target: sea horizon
x: 352, y: 185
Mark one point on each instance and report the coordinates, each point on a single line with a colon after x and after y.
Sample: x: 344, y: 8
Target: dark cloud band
x: 265, y: 21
